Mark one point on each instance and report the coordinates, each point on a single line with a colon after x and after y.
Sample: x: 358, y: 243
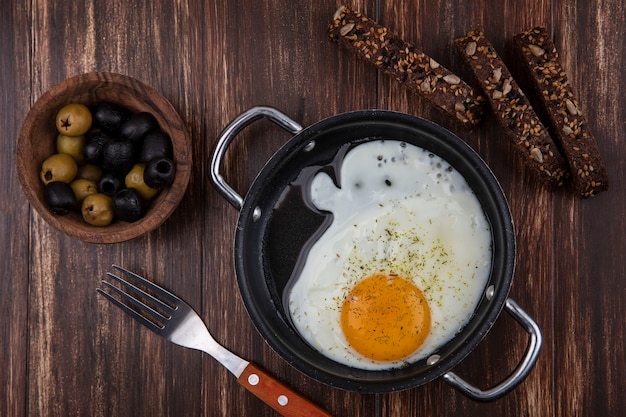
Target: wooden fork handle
x: 278, y: 396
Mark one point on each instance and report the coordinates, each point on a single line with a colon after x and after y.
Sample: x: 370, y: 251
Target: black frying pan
x: 274, y: 224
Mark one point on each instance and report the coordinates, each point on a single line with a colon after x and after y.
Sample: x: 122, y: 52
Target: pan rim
x: 333, y: 373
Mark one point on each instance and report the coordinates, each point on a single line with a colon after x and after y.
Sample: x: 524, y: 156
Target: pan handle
x: 228, y: 134
x: 524, y: 367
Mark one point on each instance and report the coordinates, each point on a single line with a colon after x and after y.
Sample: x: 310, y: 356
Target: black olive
x: 127, y: 205
x: 137, y: 127
x: 117, y: 155
x: 159, y: 172
x: 109, y: 117
x: 60, y: 197
x: 156, y: 144
x: 95, y: 140
x: 110, y: 183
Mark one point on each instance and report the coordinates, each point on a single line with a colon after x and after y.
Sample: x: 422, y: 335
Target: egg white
x: 403, y: 210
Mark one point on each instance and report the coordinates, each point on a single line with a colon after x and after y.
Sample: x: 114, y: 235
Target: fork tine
x: 168, y: 296
x: 141, y: 319
x: 152, y: 312
x: 140, y: 300
x: 160, y: 304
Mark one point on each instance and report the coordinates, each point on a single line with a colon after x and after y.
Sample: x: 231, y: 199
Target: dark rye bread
x: 554, y: 100
x: 529, y: 136
x: 382, y: 48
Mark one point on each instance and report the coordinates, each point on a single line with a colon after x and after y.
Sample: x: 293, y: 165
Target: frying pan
x: 274, y: 226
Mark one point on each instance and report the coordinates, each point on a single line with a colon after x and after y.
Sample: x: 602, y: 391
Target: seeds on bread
x: 384, y: 49
x: 529, y: 136
x: 555, y: 101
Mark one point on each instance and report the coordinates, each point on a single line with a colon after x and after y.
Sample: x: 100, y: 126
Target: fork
x: 173, y: 319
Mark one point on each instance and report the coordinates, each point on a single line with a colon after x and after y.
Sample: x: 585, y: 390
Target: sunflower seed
x: 338, y: 12
x: 470, y: 48
x: 536, y: 50
x: 537, y: 155
x: 345, y: 29
x: 497, y: 74
x: 506, y: 87
x: 452, y: 79
x: 571, y: 107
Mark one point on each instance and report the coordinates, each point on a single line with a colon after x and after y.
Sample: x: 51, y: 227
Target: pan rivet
x: 489, y: 292
x: 253, y: 379
x: 309, y: 146
x: 432, y: 359
x: 283, y: 400
x: 256, y: 214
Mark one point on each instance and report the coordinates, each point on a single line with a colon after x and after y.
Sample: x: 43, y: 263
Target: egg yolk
x: 385, y: 317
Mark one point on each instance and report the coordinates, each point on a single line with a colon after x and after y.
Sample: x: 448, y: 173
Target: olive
x: 89, y: 172
x: 110, y: 183
x: 59, y: 197
x: 137, y: 127
x: 97, y: 209
x: 94, y: 143
x: 159, y: 172
x: 73, y: 119
x: 134, y: 179
x: 156, y: 144
x: 58, y: 167
x: 83, y: 187
x: 109, y: 117
x: 127, y: 205
x: 117, y: 155
x: 72, y: 146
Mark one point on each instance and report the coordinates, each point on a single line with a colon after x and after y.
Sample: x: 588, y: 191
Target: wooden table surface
x: 65, y: 352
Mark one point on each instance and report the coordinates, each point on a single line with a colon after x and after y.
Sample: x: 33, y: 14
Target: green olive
x: 72, y: 146
x: 74, y: 119
x: 89, y: 172
x: 83, y: 188
x: 134, y: 179
x: 58, y: 167
x: 97, y: 209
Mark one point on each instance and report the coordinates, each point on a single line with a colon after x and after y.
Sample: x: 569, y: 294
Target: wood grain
x: 14, y: 215
x: 592, y: 328
x: 66, y: 351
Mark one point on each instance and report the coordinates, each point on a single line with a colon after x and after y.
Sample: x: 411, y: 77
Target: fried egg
x: 402, y: 266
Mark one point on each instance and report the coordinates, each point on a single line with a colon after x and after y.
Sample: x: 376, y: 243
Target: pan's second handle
x: 229, y: 134
x: 522, y: 370
x: 278, y: 396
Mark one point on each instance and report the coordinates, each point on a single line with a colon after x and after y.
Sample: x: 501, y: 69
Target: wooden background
x: 65, y: 352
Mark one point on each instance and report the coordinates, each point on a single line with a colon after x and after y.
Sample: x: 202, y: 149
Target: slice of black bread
x: 384, y: 49
x: 554, y: 100
x: 529, y: 136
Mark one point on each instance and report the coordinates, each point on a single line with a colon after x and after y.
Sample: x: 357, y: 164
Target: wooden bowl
x: 37, y: 141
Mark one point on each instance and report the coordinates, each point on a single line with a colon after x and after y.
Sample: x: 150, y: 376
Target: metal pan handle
x: 522, y: 370
x: 229, y: 133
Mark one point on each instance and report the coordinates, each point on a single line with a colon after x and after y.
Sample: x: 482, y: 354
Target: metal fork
x: 173, y: 319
